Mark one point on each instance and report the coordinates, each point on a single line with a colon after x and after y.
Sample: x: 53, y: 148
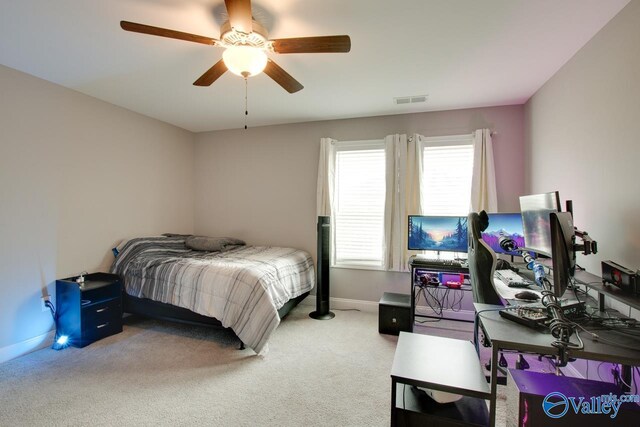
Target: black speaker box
x: 394, y: 314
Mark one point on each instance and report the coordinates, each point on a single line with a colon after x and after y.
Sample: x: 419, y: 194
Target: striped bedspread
x: 243, y: 288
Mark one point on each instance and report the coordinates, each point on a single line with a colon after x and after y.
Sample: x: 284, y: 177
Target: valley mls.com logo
x: 556, y: 404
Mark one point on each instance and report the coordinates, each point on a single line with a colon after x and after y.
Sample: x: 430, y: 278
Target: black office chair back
x: 482, y: 261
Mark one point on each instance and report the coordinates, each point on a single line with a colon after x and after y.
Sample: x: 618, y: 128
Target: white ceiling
x: 462, y: 53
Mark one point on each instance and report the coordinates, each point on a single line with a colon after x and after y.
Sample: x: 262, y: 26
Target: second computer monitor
x: 562, y: 250
x: 535, y: 210
x: 504, y: 226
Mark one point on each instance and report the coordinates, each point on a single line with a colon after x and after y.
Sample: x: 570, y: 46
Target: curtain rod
x: 492, y: 133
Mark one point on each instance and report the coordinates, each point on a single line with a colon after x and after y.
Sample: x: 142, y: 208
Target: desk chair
x: 482, y: 265
x: 482, y: 261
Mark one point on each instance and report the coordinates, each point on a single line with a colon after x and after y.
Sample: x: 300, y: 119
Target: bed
x: 246, y: 288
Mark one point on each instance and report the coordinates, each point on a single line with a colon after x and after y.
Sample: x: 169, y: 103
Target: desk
x: 437, y: 363
x: 433, y: 268
x: 507, y: 335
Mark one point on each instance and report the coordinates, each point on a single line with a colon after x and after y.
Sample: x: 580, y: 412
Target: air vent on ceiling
x: 410, y: 99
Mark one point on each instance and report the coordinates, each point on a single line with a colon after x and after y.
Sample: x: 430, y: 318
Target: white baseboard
x: 20, y: 349
x: 372, y: 307
x: 345, y: 304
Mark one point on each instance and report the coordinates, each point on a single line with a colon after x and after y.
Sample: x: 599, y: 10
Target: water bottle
x: 538, y: 272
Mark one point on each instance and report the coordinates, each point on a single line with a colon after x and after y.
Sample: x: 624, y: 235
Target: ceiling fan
x: 246, y: 44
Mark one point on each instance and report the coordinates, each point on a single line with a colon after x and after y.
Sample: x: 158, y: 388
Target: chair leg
x: 522, y: 363
x: 242, y: 347
x: 503, y: 361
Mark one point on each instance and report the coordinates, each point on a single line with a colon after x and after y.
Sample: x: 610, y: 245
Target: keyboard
x: 512, y: 279
x: 450, y: 265
x: 437, y: 261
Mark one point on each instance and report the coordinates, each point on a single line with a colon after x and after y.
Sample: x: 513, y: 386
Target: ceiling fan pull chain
x: 246, y: 108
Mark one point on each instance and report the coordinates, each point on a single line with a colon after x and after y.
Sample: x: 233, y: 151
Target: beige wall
x: 260, y: 184
x: 583, y: 133
x: 76, y: 176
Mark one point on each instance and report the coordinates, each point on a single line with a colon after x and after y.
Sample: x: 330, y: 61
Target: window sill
x: 358, y: 267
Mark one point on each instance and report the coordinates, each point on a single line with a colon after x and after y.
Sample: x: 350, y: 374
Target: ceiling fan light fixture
x: 245, y: 61
x: 246, y: 45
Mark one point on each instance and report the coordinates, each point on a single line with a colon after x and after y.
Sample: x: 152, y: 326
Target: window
x: 359, y: 204
x: 430, y: 176
x: 447, y: 168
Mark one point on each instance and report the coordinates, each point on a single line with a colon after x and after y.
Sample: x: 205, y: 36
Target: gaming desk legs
x: 494, y: 385
x: 393, y: 402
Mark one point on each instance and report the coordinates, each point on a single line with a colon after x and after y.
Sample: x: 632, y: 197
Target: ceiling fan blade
x: 321, y: 44
x: 240, y: 15
x: 212, y: 74
x: 281, y: 77
x: 163, y: 32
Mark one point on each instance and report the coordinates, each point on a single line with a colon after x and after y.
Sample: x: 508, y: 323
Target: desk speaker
x: 322, y: 271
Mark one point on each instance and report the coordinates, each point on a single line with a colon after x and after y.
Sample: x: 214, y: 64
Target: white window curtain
x: 326, y: 177
x: 395, y: 156
x: 404, y: 166
x: 484, y: 195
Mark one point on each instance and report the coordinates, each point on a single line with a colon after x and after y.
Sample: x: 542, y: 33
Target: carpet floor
x: 316, y: 373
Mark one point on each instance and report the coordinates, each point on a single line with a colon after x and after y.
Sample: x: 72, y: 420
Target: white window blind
x: 359, y: 204
x: 446, y: 175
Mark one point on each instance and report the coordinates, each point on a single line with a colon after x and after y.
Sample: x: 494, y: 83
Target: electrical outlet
x: 42, y: 302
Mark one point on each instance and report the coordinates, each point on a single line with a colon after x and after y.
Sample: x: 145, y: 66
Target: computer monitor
x: 437, y: 233
x: 504, y: 225
x: 535, y: 210
x: 563, y: 255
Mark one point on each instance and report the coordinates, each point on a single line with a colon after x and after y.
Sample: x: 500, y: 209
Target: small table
x: 443, y: 364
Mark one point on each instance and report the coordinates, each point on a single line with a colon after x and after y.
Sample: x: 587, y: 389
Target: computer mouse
x: 527, y: 296
x: 502, y: 264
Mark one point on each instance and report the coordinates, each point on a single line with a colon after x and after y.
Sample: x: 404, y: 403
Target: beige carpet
x: 316, y: 373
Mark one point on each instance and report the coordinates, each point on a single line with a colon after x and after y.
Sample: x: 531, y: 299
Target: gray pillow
x: 212, y: 244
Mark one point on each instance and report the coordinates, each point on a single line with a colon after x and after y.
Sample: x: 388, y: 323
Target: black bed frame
x: 160, y: 310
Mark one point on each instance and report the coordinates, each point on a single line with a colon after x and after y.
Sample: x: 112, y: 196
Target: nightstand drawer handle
x: 100, y: 310
x: 102, y: 326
